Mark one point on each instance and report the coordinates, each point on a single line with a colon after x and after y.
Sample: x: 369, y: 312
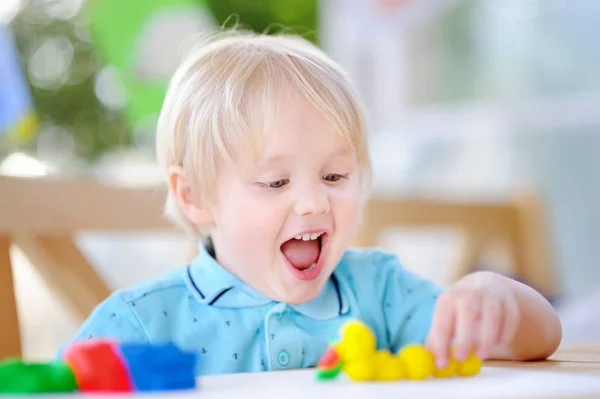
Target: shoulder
x: 121, y: 315
x: 172, y: 284
x: 150, y: 311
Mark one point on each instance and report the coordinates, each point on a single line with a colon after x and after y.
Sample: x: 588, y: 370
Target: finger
x: 510, y: 323
x: 467, y: 325
x: 441, y: 332
x: 490, y: 327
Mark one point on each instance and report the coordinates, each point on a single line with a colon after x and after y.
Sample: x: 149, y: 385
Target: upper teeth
x: 307, y: 237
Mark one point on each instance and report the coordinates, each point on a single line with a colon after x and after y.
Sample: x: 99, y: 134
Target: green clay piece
x: 328, y: 374
x: 17, y: 376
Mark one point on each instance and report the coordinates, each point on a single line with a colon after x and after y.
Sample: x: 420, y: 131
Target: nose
x: 312, y: 201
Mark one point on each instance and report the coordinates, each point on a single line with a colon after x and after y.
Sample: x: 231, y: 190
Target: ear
x: 188, y: 201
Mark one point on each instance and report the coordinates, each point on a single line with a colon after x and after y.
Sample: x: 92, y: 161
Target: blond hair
x: 222, y: 96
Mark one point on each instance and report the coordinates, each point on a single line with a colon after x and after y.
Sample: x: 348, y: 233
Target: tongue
x: 301, y: 254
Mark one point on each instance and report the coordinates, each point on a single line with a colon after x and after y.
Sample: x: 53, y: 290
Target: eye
x: 334, y: 177
x: 278, y: 183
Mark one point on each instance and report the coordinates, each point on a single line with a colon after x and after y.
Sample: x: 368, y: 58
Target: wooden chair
x: 519, y: 222
x: 41, y: 215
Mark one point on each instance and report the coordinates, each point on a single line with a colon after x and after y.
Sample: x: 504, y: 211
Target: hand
x: 478, y: 312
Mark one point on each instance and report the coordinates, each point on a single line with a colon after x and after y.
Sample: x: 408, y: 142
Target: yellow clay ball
x: 351, y: 351
x: 417, y: 361
x: 446, y: 372
x: 469, y: 367
x: 357, y: 341
x: 359, y: 332
x: 389, y: 367
x: 361, y: 370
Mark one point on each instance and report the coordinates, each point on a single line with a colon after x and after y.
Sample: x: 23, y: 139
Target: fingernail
x: 441, y: 362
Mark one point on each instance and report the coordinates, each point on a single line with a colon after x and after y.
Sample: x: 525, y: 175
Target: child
x: 264, y: 149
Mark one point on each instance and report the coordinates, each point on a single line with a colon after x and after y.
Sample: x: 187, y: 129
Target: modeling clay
x: 86, y: 358
x: 418, y: 361
x: 469, y: 367
x: 101, y: 365
x: 446, y: 372
x: 19, y: 377
x: 356, y: 354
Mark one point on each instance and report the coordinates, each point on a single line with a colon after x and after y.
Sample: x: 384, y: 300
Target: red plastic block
x: 98, y: 366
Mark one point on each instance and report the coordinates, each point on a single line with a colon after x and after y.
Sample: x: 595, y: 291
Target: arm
x: 539, y: 331
x: 498, y: 317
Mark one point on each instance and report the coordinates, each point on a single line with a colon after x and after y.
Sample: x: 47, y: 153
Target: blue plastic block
x: 160, y: 367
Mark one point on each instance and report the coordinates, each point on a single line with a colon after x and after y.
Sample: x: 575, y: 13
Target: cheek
x: 249, y: 222
x: 347, y: 208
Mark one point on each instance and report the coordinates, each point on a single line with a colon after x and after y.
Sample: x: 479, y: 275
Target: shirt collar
x: 212, y: 284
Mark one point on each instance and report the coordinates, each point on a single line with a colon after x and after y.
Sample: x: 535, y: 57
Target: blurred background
x: 467, y: 100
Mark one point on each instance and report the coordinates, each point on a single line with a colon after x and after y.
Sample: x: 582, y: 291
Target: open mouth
x: 303, y: 254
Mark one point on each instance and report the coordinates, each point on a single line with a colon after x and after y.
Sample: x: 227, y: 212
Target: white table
x: 491, y: 383
x: 573, y: 372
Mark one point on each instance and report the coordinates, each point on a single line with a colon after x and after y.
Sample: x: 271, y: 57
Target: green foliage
x: 73, y: 106
x: 272, y: 16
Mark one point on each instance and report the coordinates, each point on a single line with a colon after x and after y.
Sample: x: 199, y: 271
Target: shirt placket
x: 284, y: 349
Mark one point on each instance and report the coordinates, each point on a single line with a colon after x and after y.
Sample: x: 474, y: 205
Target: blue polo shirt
x: 234, y: 328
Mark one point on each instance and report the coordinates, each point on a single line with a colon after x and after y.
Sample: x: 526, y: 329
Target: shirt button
x: 283, y: 358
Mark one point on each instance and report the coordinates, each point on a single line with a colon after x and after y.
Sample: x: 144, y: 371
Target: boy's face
x: 282, y: 224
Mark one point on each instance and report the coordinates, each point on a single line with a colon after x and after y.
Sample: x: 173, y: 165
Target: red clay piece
x: 329, y: 359
x: 98, y: 366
